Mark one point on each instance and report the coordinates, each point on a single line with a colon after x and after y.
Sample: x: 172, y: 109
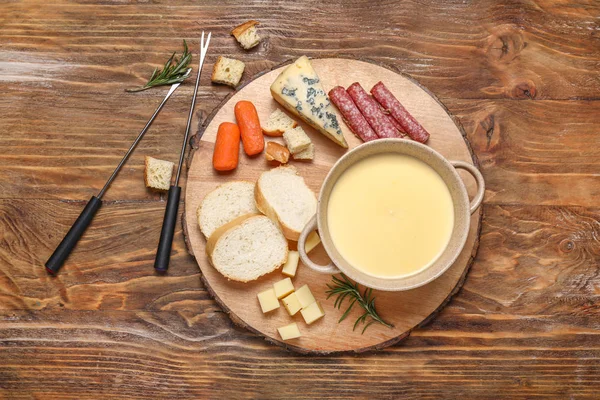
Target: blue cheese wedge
x: 298, y: 89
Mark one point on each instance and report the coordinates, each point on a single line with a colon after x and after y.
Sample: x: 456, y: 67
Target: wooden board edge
x: 194, y: 145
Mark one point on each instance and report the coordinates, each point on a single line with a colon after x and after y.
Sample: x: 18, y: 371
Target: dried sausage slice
x: 409, y: 124
x: 372, y: 112
x: 351, y: 114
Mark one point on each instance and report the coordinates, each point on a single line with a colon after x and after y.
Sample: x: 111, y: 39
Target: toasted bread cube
x: 312, y: 313
x: 291, y: 265
x: 306, y: 154
x: 278, y: 123
x: 296, y: 139
x: 290, y: 331
x: 283, y: 288
x: 277, y: 152
x: 227, y: 71
x: 158, y: 173
x: 305, y: 296
x: 268, y: 300
x: 246, y: 34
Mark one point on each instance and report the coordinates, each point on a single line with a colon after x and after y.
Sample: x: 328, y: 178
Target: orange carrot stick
x: 252, y: 135
x: 227, y: 147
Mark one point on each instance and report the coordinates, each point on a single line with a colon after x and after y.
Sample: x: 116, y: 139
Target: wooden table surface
x: 523, y: 78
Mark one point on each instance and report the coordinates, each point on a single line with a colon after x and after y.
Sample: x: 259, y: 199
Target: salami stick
x: 351, y: 114
x: 392, y: 120
x: 409, y: 124
x: 372, y: 112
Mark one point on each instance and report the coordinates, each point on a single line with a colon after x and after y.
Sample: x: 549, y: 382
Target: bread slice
x: 247, y: 248
x: 296, y: 140
x: 306, y: 154
x: 246, y: 34
x: 227, y: 71
x: 157, y: 174
x: 225, y: 203
x: 278, y: 123
x: 282, y: 195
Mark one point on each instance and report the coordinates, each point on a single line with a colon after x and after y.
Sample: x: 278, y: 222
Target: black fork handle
x: 65, y: 247
x: 163, y: 253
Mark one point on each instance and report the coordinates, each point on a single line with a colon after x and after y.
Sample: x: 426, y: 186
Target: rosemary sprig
x: 175, y: 70
x: 343, y: 287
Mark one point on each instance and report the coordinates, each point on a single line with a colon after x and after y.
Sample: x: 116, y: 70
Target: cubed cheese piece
x: 290, y: 331
x: 283, y: 288
x: 312, y: 313
x: 268, y: 300
x: 291, y: 264
x: 298, y: 89
x: 312, y: 241
x: 305, y: 296
x: 291, y: 303
x: 296, y: 140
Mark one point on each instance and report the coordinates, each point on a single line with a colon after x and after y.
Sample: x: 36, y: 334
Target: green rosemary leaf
x: 174, y: 71
x: 367, y: 325
x: 344, y: 315
x: 343, y: 288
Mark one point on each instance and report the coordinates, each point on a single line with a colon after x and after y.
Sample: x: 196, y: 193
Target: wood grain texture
x: 523, y: 77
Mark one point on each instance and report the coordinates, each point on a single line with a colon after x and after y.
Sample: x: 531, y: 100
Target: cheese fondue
x: 390, y: 215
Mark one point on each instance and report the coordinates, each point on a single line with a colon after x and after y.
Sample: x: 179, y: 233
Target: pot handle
x: 476, y: 202
x: 324, y: 269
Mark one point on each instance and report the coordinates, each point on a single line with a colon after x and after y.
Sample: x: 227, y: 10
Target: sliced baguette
x: 282, y: 195
x: 225, y: 203
x: 247, y: 248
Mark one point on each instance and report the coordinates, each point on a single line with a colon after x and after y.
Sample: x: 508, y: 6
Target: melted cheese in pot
x: 390, y: 215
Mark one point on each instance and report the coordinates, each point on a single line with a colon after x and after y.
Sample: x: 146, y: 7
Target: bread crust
x: 239, y: 30
x: 146, y: 162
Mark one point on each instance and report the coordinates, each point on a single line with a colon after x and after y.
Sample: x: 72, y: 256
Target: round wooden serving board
x: 405, y: 310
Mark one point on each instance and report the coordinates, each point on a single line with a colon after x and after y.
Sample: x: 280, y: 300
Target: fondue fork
x: 65, y: 247
x: 163, y: 253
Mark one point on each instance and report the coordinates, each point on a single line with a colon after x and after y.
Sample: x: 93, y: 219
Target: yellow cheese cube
x: 268, y: 300
x: 291, y: 304
x: 305, y: 296
x: 312, y: 313
x: 283, y: 288
x: 290, y: 331
x: 312, y: 241
x: 291, y: 265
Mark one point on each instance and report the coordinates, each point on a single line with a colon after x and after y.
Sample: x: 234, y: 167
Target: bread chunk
x: 158, y: 173
x: 246, y: 34
x: 227, y: 71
